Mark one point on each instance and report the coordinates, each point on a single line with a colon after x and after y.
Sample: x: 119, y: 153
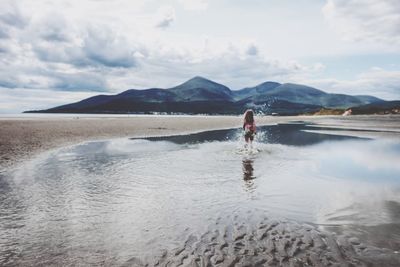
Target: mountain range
x: 202, y: 96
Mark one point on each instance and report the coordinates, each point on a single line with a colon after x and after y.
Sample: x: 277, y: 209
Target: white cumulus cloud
x: 194, y: 4
x: 166, y: 16
x: 109, y: 46
x: 365, y: 20
x: 377, y: 82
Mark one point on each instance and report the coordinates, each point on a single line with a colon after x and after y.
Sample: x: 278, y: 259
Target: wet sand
x: 227, y: 241
x: 269, y: 242
x: 23, y: 137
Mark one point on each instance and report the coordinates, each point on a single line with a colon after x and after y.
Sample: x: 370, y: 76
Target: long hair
x: 249, y: 116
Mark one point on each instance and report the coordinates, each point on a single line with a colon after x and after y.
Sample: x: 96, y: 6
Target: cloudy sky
x: 60, y: 51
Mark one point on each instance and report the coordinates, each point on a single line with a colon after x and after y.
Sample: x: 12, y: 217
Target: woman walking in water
x: 249, y: 127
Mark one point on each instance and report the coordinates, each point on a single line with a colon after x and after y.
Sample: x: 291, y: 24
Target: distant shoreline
x: 22, y: 137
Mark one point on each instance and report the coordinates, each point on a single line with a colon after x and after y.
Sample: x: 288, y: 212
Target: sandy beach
x: 195, y: 225
x: 22, y: 137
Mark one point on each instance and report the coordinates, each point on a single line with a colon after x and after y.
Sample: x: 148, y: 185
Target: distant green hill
x: 255, y: 91
x: 200, y: 95
x: 304, y: 95
x: 385, y: 107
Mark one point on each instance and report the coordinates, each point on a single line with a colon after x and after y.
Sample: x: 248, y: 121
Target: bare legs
x: 249, y: 142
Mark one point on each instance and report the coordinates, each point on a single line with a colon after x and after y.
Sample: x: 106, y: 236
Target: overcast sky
x: 60, y: 51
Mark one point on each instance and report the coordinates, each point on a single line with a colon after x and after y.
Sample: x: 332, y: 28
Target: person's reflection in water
x: 248, y: 174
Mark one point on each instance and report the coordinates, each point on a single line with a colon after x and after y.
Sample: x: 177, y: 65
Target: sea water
x: 105, y: 202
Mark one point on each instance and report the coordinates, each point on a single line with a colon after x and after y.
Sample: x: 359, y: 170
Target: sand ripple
x: 270, y: 243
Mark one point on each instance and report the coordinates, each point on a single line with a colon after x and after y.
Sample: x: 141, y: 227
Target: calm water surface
x: 108, y: 201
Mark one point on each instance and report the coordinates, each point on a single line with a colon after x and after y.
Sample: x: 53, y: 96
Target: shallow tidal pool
x: 127, y: 201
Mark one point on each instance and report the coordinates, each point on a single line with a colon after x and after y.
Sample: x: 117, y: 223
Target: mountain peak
x: 268, y: 83
x: 200, y: 81
x: 261, y: 88
x: 200, y: 88
x: 199, y: 78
